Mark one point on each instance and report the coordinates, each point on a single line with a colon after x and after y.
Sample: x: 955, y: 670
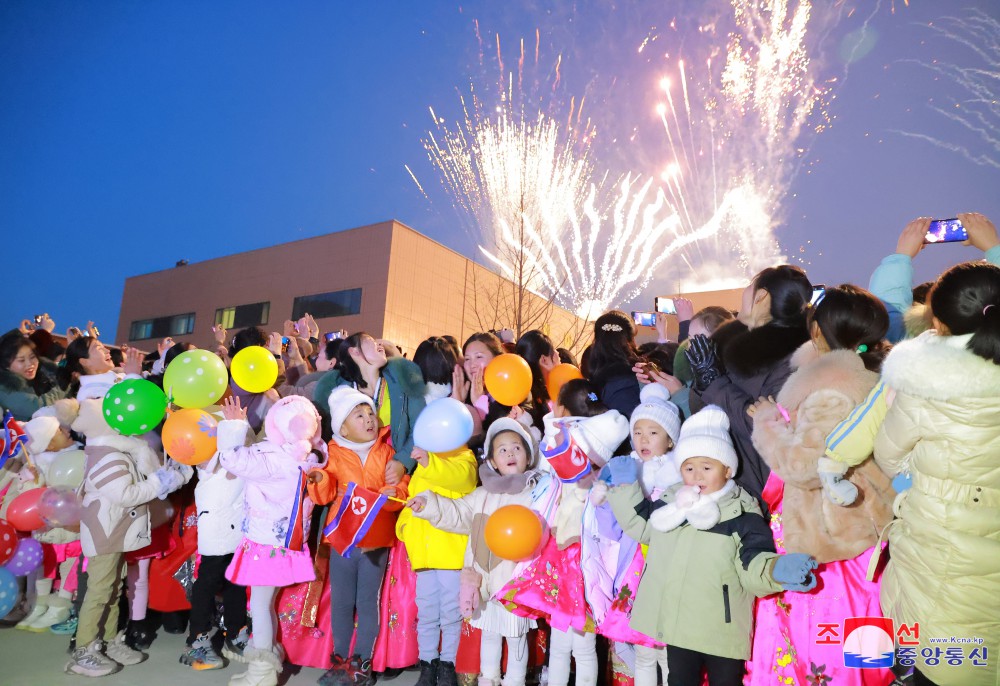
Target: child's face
x: 60, y: 441
x: 707, y: 473
x: 650, y: 440
x: 508, y: 454
x: 361, y: 424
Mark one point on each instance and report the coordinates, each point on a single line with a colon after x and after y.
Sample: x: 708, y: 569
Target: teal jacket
x: 406, y: 401
x: 18, y: 396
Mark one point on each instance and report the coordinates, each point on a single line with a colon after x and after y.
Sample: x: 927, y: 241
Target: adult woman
x: 478, y: 351
x: 832, y: 373
x: 610, y: 361
x: 396, y: 385
x: 89, y: 371
x: 541, y: 355
x: 753, y: 363
x: 943, y: 427
x: 25, y: 385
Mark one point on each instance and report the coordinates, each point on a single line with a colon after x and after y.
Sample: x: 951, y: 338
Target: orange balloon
x: 508, y: 379
x: 559, y: 375
x: 189, y: 436
x: 515, y: 532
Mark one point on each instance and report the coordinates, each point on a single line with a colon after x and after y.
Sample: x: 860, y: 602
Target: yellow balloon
x: 254, y: 369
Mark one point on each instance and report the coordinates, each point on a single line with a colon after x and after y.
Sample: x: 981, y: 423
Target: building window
x: 335, y: 304
x: 242, y: 316
x: 161, y: 327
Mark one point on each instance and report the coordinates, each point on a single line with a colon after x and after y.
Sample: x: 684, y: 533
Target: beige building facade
x: 385, y: 278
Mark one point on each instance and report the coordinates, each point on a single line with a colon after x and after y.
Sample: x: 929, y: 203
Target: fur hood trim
x: 940, y: 368
x: 755, y: 351
x: 916, y: 320
x: 838, y: 370
x: 146, y: 459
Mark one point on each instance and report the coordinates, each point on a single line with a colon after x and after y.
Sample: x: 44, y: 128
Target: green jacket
x: 18, y: 396
x: 406, y: 401
x: 698, y: 586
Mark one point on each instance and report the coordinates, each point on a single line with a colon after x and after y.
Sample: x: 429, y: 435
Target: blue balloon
x: 8, y: 591
x: 444, y: 425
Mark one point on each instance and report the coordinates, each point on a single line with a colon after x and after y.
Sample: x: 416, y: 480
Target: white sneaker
x: 53, y: 615
x: 119, y: 651
x: 90, y: 661
x: 33, y: 616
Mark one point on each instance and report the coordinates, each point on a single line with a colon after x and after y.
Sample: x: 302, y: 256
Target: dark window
x: 161, y: 327
x: 335, y: 304
x: 242, y: 316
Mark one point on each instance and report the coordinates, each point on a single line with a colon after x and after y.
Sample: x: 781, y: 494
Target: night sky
x: 137, y: 134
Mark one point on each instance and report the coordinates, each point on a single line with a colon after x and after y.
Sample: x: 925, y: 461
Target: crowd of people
x: 741, y: 505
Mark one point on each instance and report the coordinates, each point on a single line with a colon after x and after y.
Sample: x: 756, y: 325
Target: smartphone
x: 75, y: 330
x: 644, y: 318
x: 97, y: 334
x: 665, y: 305
x: 818, y: 291
x: 38, y: 320
x: 946, y: 231
x: 334, y: 336
x: 285, y: 340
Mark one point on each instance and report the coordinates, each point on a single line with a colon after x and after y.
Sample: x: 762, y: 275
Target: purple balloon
x: 60, y: 506
x: 27, y: 558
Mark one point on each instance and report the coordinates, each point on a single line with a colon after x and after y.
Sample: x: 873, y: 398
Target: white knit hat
x: 706, y: 434
x: 343, y: 399
x: 40, y: 431
x: 656, y: 407
x: 599, y: 436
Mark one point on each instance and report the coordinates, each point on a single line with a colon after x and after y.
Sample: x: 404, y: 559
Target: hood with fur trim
x: 940, y: 368
x: 751, y: 352
x: 294, y: 424
x: 839, y: 370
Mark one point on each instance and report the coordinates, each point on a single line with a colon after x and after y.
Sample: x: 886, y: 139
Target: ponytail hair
x: 349, y: 369
x: 851, y: 318
x: 966, y: 299
x: 580, y: 399
x: 71, y: 368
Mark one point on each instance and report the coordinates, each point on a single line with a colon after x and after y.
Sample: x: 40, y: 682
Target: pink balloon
x: 23, y: 510
x: 60, y: 506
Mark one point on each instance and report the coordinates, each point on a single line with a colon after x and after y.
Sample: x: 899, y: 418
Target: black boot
x: 428, y: 673
x: 139, y: 634
x: 360, y: 672
x: 446, y: 674
x: 337, y: 675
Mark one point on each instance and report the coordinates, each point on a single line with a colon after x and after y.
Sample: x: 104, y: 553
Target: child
x: 710, y: 553
x: 360, y: 452
x: 273, y: 552
x: 114, y: 520
x: 509, y: 476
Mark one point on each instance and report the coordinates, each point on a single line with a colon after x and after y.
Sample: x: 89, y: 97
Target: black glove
x: 703, y: 357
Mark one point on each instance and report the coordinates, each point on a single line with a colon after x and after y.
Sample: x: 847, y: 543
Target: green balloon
x: 196, y: 379
x: 134, y: 406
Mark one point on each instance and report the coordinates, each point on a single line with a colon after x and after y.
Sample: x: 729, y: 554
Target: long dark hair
x: 532, y: 346
x: 78, y: 350
x: 244, y: 338
x: 966, y: 299
x: 10, y: 346
x: 790, y: 293
x: 851, y: 318
x: 493, y: 343
x: 436, y: 358
x: 614, y: 343
x: 349, y: 369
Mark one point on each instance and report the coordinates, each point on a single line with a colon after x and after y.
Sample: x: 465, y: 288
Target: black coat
x: 618, y: 388
x: 757, y: 365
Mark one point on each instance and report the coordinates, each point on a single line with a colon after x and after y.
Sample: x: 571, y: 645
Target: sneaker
x: 90, y: 661
x: 360, y: 672
x: 36, y: 613
x: 52, y: 615
x: 68, y: 627
x: 119, y: 651
x: 336, y: 675
x: 233, y: 648
x: 201, y: 656
x: 446, y: 675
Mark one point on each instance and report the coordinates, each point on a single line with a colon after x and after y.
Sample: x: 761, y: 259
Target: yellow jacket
x: 451, y: 475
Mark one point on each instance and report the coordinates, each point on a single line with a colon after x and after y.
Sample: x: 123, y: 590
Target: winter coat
x: 757, y: 364
x: 97, y: 385
x: 468, y: 516
x: 822, y: 390
x: 944, y: 429
x: 452, y: 475
x: 343, y: 467
x: 406, y: 400
x: 120, y: 480
x: 218, y: 497
x: 22, y: 397
x: 698, y: 587
x: 274, y: 500
x: 617, y: 388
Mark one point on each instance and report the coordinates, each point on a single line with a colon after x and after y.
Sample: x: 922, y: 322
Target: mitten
x: 622, y: 470
x: 902, y: 482
x: 170, y: 481
x: 835, y: 486
x: 599, y: 493
x: 794, y: 572
x: 703, y: 356
x: 469, y: 581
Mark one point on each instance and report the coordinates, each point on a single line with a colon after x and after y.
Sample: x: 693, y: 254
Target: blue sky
x: 138, y: 134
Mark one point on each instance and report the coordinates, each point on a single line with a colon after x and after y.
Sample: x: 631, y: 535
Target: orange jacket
x: 343, y: 467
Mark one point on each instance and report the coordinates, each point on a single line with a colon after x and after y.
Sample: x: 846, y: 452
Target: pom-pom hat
x: 655, y: 406
x: 706, y: 434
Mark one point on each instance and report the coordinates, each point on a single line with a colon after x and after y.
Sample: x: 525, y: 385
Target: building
x: 385, y: 279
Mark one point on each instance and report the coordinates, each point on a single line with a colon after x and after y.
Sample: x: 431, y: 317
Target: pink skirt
x: 616, y: 622
x: 257, y: 564
x: 551, y: 587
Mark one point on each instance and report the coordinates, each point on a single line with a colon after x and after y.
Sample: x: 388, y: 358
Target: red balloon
x: 23, y: 510
x: 8, y: 541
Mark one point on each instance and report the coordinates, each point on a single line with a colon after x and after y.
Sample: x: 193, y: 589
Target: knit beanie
x: 706, y: 434
x: 40, y: 431
x: 508, y: 424
x: 343, y: 400
x: 655, y: 406
x: 294, y: 422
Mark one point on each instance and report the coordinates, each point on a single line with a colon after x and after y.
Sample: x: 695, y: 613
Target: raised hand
x: 233, y: 409
x: 703, y: 356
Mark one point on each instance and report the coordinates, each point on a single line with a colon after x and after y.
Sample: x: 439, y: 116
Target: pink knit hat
x: 294, y: 424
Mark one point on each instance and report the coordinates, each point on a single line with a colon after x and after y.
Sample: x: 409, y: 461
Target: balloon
x: 134, y: 406
x: 515, y: 532
x: 8, y: 541
x: 60, y: 506
x: 443, y: 426
x: 195, y: 378
x: 27, y: 558
x: 67, y: 469
x: 23, y: 510
x: 508, y: 379
x: 254, y: 369
x: 189, y: 436
x: 9, y: 593
x: 559, y: 375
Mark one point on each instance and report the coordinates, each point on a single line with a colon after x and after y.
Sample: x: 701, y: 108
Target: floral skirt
x: 615, y: 625
x: 257, y: 564
x: 551, y: 586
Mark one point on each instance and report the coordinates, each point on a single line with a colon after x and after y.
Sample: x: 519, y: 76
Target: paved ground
x: 28, y: 659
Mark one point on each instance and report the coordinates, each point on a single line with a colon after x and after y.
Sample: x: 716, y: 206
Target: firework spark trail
x: 977, y: 109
